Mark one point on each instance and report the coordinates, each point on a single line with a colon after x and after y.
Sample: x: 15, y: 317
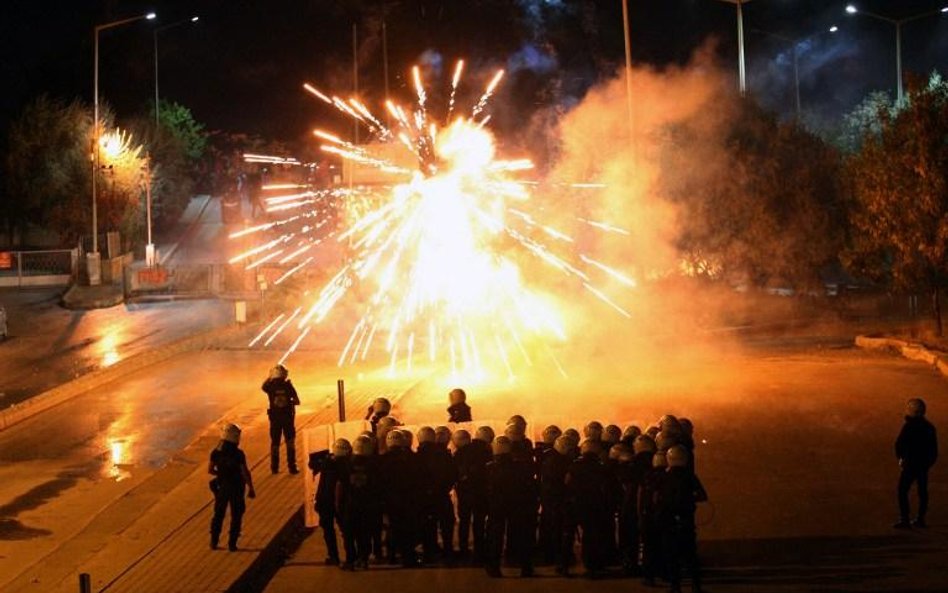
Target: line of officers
x: 630, y: 498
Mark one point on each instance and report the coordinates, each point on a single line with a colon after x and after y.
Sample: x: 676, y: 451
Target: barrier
x: 50, y: 267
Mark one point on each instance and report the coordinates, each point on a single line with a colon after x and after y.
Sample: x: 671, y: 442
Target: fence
x: 54, y: 267
x: 189, y: 280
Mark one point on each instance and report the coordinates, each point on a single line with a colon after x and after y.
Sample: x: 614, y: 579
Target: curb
x: 49, y: 399
x: 906, y: 349
x: 70, y: 300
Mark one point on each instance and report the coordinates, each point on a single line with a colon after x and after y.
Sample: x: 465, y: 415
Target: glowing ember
x: 437, y: 254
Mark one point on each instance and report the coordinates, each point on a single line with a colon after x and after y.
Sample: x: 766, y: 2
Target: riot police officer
x: 228, y: 465
x: 512, y: 502
x: 282, y: 414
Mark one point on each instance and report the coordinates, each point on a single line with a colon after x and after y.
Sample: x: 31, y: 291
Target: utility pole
x: 628, y: 65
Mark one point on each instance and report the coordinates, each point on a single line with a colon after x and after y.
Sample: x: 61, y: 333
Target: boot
x: 275, y: 459
x: 215, y: 539
x: 291, y: 459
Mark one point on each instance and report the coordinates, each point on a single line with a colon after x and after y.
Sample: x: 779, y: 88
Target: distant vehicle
x: 3, y: 323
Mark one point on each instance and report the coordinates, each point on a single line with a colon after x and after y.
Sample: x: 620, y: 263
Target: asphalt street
x: 795, y: 448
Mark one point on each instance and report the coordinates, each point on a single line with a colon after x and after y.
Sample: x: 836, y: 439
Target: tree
x: 47, y: 167
x: 759, y: 201
x: 178, y: 121
x: 900, y: 192
x: 864, y: 120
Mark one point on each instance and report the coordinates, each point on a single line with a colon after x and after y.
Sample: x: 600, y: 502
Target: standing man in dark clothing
x: 676, y: 500
x: 553, y: 467
x: 917, y: 450
x: 400, y: 486
x: 228, y: 465
x: 438, y: 478
x: 512, y: 501
x: 586, y: 486
x: 358, y: 503
x: 330, y: 468
x: 459, y: 411
x: 282, y: 415
x: 470, y: 461
x: 650, y: 532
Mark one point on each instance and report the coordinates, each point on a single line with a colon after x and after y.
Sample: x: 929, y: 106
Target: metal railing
x: 38, y: 268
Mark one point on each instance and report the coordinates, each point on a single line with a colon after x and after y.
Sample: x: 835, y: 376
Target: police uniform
x: 228, y: 464
x: 282, y: 415
x: 512, y: 502
x: 471, y: 490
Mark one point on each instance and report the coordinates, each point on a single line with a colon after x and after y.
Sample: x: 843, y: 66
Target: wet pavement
x: 49, y: 345
x: 61, y: 468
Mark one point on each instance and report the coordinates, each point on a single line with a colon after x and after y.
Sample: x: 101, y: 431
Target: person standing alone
x: 917, y: 450
x: 228, y: 465
x: 282, y: 415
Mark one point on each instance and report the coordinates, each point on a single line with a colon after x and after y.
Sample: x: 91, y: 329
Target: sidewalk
x: 164, y: 547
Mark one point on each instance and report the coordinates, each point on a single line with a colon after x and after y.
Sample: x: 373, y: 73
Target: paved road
x: 49, y: 345
x: 795, y: 449
x: 60, y: 469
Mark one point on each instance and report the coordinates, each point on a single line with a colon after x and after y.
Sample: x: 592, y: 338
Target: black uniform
x: 282, y: 415
x: 358, y: 503
x: 630, y: 476
x: 650, y: 532
x: 917, y: 449
x: 438, y: 477
x: 679, y: 491
x: 400, y: 492
x: 228, y: 464
x: 329, y: 469
x: 586, y: 483
x: 471, y: 490
x: 522, y: 450
x: 512, y: 503
x: 553, y: 468
x: 459, y: 412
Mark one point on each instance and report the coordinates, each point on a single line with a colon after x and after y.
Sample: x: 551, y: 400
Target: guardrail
x: 50, y: 267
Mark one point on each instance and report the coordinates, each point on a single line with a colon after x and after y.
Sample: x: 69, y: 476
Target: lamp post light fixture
x: 853, y: 9
x: 93, y: 260
x: 193, y: 19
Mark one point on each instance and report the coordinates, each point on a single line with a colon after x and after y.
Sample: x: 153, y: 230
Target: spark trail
x: 438, y: 257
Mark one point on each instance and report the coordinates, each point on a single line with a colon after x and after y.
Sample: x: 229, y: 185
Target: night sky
x: 241, y: 66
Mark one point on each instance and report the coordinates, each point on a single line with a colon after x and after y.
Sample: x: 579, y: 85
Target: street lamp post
x: 628, y: 64
x: 852, y: 9
x: 193, y: 19
x: 150, y: 253
x: 741, y: 72
x: 93, y: 261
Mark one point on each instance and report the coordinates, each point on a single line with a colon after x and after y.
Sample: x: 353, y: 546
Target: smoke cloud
x: 614, y: 366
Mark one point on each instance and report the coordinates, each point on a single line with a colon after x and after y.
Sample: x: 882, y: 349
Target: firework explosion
x: 436, y: 254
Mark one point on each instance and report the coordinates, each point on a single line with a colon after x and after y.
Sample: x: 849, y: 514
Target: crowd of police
x: 629, y: 497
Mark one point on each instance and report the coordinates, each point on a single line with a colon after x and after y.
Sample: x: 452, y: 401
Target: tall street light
x: 628, y: 64
x: 741, y: 72
x: 94, y: 263
x: 794, y: 44
x: 193, y: 19
x: 852, y: 9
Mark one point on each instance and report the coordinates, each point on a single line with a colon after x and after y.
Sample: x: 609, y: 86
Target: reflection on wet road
x: 50, y: 345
